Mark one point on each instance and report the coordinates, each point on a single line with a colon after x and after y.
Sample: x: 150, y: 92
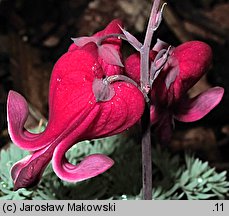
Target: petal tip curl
x: 17, y: 113
x: 196, y: 108
x: 89, y: 167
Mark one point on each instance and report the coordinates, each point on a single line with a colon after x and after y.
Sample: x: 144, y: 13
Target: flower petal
x: 28, y: 171
x: 76, y: 82
x: 112, y: 28
x: 123, y: 110
x: 196, y: 108
x: 115, y: 116
x: 194, y: 58
x: 91, y: 165
x: 132, y: 67
x: 17, y: 113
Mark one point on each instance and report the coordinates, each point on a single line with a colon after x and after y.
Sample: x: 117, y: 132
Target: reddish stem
x: 145, y: 86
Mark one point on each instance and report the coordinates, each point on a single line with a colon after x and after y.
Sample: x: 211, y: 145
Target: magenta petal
x: 194, y: 59
x: 17, y: 113
x: 112, y: 28
x: 28, y: 171
x: 196, y: 108
x: 91, y: 166
x: 17, y: 110
x: 111, y: 65
x: 120, y: 113
x: 132, y: 67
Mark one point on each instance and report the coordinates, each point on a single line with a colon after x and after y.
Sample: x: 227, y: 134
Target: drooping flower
x: 183, y: 67
x: 76, y: 113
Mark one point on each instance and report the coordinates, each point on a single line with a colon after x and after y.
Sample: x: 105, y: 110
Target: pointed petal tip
x: 111, y: 28
x: 12, y: 96
x: 17, y: 113
x: 116, y: 22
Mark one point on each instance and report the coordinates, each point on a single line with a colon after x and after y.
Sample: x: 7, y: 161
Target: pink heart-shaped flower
x: 74, y: 115
x: 185, y: 65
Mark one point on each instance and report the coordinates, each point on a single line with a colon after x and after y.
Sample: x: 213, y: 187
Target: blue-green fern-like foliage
x: 174, y: 177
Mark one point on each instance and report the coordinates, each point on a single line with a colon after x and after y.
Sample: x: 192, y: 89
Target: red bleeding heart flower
x: 75, y: 114
x: 185, y: 65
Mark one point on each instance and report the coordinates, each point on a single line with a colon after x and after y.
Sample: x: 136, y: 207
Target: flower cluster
x: 84, y: 102
x: 75, y: 114
x: 174, y: 71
